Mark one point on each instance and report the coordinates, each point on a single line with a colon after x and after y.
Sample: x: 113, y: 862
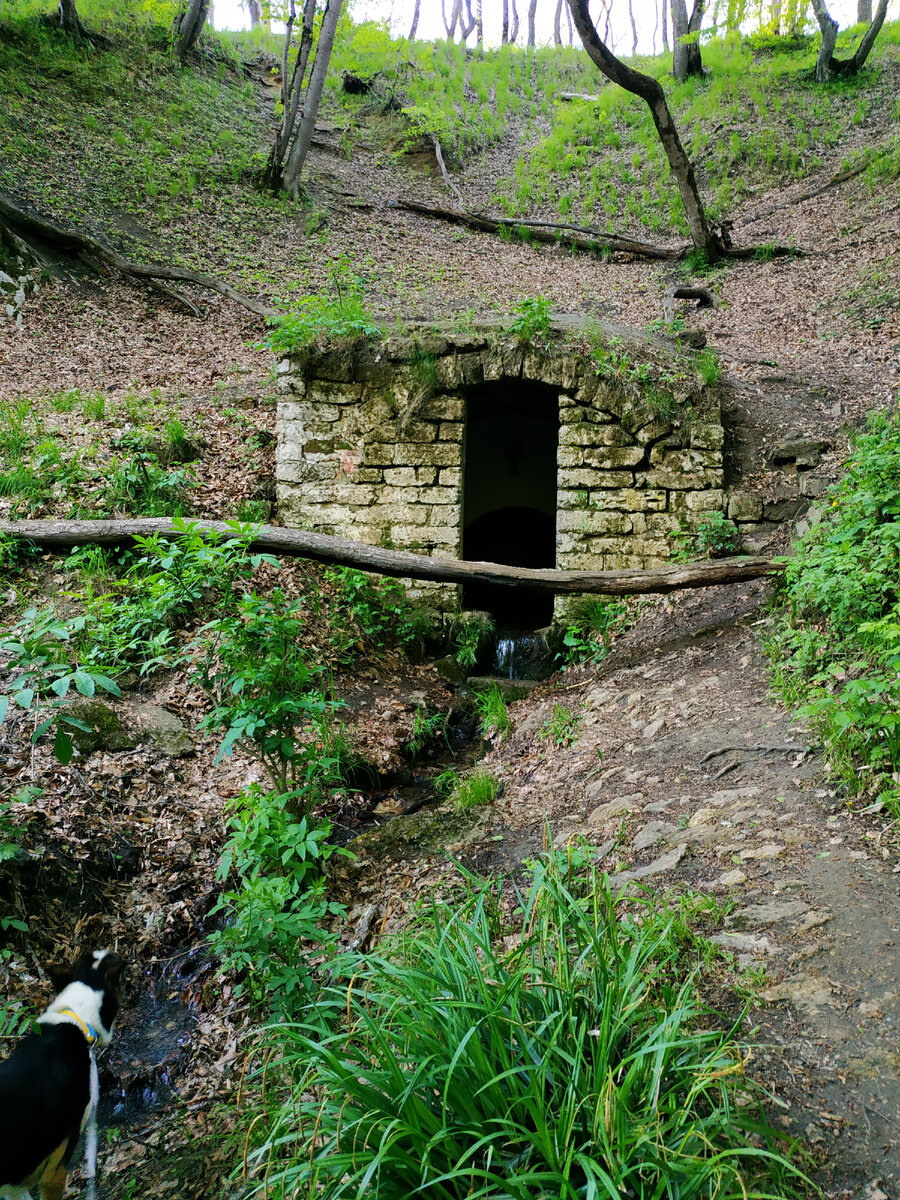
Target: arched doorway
x: 509, y: 493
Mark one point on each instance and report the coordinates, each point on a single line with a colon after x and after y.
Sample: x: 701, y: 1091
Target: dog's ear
x: 112, y: 966
x: 60, y: 977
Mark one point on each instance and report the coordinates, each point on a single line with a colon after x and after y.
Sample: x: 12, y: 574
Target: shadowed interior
x: 509, y: 494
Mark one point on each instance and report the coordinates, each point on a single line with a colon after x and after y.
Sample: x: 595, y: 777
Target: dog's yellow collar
x: 88, y: 1030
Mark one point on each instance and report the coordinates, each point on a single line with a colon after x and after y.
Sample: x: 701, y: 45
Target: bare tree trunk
x: 655, y: 28
x: 189, y: 27
x: 68, y: 18
x: 569, y: 24
x: 479, y: 25
x: 466, y: 26
x: 415, y: 21
x: 514, y: 24
x: 297, y: 156
x: 651, y: 91
x: 634, y: 38
x: 504, y: 23
x: 532, y: 9
x: 827, y: 66
x: 455, y: 16
x: 664, y: 8
x: 686, y: 59
x: 255, y: 9
x: 863, y: 11
x: 557, y: 35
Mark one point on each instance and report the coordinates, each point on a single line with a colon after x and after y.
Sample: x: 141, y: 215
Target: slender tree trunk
x: 504, y: 23
x: 299, y: 150
x: 514, y: 24
x: 68, y: 18
x: 189, y: 27
x: 532, y: 9
x: 655, y: 28
x: 255, y: 9
x: 686, y: 59
x: 479, y: 25
x: 863, y: 11
x: 827, y: 66
x: 651, y: 91
x: 569, y: 24
x: 557, y: 34
x: 664, y: 9
x: 415, y: 21
x: 466, y: 26
x: 634, y: 37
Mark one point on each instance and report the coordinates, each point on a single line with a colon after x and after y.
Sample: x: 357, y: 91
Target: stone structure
x: 470, y: 447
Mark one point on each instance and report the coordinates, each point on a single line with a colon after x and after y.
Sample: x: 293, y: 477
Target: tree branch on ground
x: 827, y: 66
x: 104, y: 261
x: 55, y: 536
x: 576, y: 237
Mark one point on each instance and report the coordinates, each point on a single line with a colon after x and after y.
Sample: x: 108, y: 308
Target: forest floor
x: 683, y: 767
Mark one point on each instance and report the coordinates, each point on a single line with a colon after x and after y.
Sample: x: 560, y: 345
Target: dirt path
x: 707, y: 784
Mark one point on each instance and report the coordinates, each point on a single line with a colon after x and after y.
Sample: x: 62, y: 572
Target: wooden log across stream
x: 57, y: 536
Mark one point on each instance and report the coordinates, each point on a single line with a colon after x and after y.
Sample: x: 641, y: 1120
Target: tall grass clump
x: 836, y: 642
x: 577, y: 1063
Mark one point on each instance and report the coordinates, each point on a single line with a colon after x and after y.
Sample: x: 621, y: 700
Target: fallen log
x: 588, y: 241
x: 56, y: 536
x: 103, y: 260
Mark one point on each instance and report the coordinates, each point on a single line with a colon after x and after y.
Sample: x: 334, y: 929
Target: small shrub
x: 591, y: 624
x: 274, y: 910
x: 717, y: 536
x: 372, y: 610
x: 561, y: 727
x: 338, y: 314
x: 709, y: 367
x: 532, y: 323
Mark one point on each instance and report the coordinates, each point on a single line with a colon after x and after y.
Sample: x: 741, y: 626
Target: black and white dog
x: 46, y: 1084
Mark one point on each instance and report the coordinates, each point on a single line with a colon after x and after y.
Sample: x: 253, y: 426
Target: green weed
x: 493, y: 715
x: 567, y: 1053
x: 477, y: 789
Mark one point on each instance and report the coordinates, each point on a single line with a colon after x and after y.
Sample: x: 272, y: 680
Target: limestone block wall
x: 371, y: 446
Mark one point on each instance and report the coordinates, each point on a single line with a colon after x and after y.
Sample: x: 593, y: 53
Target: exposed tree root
x: 16, y: 222
x: 299, y: 543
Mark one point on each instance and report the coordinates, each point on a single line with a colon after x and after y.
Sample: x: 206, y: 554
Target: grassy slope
x: 140, y: 148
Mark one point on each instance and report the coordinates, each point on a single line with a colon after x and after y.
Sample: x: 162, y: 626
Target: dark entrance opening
x: 509, y: 494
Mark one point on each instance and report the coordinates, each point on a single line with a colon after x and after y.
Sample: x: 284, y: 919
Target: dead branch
x: 702, y: 295
x: 104, y: 261
x: 439, y: 155
x: 55, y: 536
x: 566, y: 235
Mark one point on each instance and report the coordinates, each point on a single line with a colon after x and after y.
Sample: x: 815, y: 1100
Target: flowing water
x: 522, y: 655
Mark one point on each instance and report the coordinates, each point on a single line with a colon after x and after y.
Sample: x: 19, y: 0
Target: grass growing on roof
x: 577, y: 1063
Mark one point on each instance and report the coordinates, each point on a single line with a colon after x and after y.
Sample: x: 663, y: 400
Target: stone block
x: 662, y: 477
x: 299, y: 472
x: 408, y: 477
x: 633, y: 500
x: 592, y: 521
x: 784, y: 510
x: 611, y: 458
x: 340, y: 492
x: 658, y: 428
x: 320, y: 392
x: 707, y: 436
x: 813, y: 486
x: 559, y: 370
x: 590, y: 433
x: 443, y: 408
x: 671, y: 459
x: 742, y: 506
x: 391, y: 514
x: 503, y: 361
x: 613, y: 479
x: 705, y: 502
x: 379, y: 454
x: 659, y: 523
x: 569, y: 456
x: 459, y: 370
x: 451, y: 431
x: 450, y: 477
x: 438, y: 454
x: 446, y: 514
